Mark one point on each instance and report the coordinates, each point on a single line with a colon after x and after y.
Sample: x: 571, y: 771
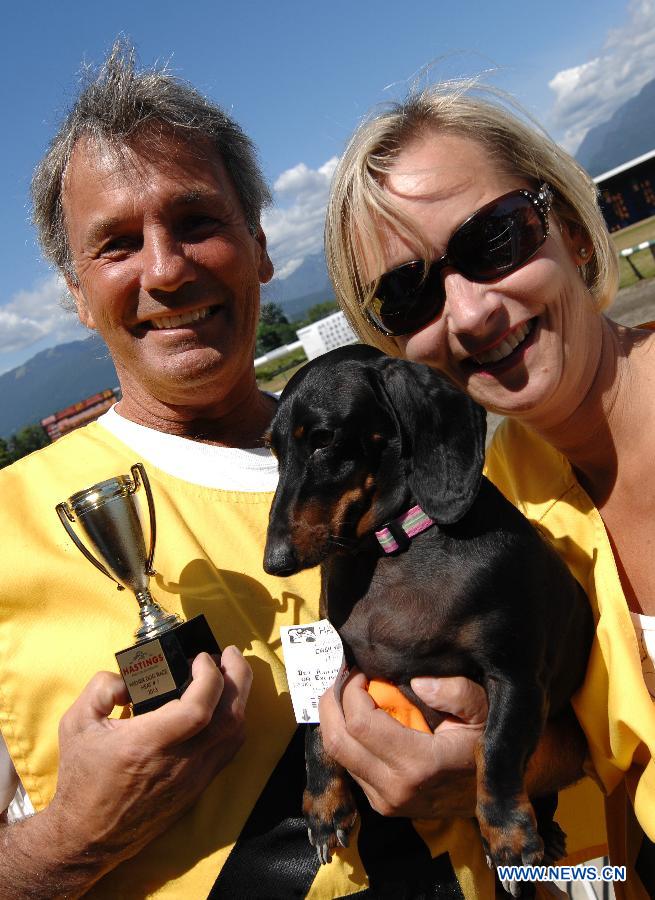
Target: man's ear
x: 265, y: 267
x: 83, y: 311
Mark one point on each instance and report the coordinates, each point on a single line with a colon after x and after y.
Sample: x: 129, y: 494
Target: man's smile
x: 159, y: 323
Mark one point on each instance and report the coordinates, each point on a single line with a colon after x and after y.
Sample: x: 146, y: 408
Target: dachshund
x: 367, y: 445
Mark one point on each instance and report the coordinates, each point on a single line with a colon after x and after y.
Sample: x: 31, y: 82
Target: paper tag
x: 340, y: 680
x: 313, y: 656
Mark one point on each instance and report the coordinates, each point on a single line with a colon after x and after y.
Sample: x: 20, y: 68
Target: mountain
x: 52, y: 380
x: 628, y: 134
x: 295, y: 309
x: 310, y: 277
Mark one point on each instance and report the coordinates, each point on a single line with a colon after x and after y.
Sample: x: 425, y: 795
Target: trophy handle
x: 66, y: 518
x: 138, y: 471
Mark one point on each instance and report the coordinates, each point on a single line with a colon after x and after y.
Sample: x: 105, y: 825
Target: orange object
x: 392, y: 701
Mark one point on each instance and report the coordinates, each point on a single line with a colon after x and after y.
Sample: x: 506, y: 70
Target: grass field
x: 635, y: 234
x: 278, y: 381
x: 643, y: 259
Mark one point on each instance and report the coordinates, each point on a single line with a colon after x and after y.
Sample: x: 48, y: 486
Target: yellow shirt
x: 613, y: 704
x: 61, y: 621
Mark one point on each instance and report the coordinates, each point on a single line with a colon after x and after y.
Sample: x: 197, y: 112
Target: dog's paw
x: 510, y: 838
x: 554, y: 842
x: 330, y: 817
x: 526, y: 890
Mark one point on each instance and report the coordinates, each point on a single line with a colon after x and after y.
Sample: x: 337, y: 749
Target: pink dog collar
x: 396, y: 535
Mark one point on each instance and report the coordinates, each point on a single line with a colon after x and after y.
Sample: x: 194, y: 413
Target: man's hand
x: 405, y: 772
x: 122, y: 782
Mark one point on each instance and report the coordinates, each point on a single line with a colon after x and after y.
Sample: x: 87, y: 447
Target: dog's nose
x: 280, y: 558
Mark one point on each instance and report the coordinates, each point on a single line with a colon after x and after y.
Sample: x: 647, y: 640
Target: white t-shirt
x: 645, y: 629
x: 224, y: 468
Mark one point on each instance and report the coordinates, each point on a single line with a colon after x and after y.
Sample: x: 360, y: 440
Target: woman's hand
x: 405, y: 772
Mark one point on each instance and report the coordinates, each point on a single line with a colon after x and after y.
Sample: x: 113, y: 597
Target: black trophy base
x: 158, y: 670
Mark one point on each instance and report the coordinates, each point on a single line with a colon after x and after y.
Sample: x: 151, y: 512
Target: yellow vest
x: 613, y: 705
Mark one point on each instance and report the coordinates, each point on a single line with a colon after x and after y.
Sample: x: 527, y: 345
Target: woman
x: 460, y: 237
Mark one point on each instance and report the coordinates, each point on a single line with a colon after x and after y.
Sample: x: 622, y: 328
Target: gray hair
x: 119, y: 104
x: 359, y: 204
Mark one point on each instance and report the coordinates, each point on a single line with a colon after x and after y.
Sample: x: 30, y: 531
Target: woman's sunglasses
x: 497, y: 239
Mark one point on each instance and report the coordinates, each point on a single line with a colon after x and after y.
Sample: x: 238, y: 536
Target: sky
x: 298, y: 77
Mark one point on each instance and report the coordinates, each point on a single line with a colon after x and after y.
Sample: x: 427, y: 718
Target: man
x: 165, y: 262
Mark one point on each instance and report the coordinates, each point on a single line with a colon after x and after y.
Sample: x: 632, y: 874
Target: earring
x: 583, y: 252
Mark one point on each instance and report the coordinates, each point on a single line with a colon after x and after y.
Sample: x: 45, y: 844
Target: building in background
x: 326, y: 334
x: 78, y: 414
x: 627, y: 193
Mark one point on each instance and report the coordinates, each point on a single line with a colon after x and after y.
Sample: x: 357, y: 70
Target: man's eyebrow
x: 101, y: 229
x: 196, y: 195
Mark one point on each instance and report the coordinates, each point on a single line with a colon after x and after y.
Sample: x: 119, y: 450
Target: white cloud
x: 588, y: 94
x: 30, y: 316
x: 294, y: 228
x: 288, y: 268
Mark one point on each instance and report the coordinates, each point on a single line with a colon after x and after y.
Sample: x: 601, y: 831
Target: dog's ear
x: 443, y: 434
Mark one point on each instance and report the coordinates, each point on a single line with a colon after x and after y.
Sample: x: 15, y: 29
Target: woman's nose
x: 469, y: 305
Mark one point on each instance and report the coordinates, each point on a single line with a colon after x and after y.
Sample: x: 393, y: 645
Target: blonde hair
x: 359, y: 205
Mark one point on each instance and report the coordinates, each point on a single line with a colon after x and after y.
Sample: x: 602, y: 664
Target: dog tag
x: 313, y: 656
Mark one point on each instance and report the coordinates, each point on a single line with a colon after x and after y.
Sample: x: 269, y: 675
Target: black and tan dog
x: 367, y: 444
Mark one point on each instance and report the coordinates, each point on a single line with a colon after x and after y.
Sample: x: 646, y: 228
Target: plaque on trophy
x: 157, y: 668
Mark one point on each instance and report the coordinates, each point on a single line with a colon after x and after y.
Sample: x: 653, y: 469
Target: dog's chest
x: 392, y: 626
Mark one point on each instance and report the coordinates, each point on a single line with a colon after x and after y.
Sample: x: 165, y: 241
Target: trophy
x: 158, y: 667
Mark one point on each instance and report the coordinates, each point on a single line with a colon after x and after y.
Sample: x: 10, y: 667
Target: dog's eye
x: 320, y: 438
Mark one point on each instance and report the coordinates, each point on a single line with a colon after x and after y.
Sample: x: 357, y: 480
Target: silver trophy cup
x: 107, y: 514
x: 157, y: 668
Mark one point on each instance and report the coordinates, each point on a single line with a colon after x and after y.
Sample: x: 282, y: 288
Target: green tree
x: 28, y: 439
x: 5, y: 455
x: 272, y: 314
x: 274, y: 329
x: 320, y: 311
x: 271, y: 336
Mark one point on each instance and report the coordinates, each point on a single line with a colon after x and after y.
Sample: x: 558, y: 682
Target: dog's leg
x: 505, y: 814
x: 328, y: 804
x: 551, y: 834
